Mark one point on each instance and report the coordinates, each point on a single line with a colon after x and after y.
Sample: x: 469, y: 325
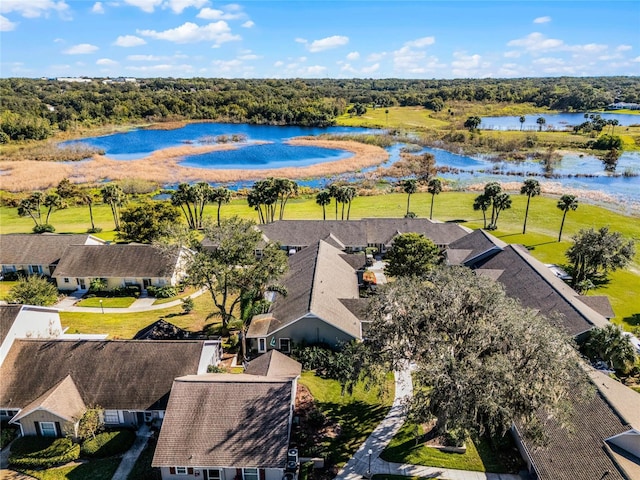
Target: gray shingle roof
x: 118, y: 260
x: 599, y: 303
x: 8, y: 315
x: 116, y: 374
x: 62, y: 399
x: 274, y: 364
x: 531, y: 282
x: 45, y: 249
x: 473, y: 246
x: 226, y: 420
x: 318, y: 278
x: 384, y: 230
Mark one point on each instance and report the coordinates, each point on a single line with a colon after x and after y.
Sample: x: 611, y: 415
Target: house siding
x: 226, y: 474
x: 29, y: 426
x: 310, y: 330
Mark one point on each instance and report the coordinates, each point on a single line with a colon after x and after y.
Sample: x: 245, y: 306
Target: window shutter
x: 58, y: 429
x: 190, y: 471
x: 263, y: 474
x: 37, y: 425
x: 238, y: 474
x: 172, y: 470
x: 206, y: 474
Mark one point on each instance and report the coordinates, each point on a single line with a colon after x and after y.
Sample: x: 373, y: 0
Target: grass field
x: 541, y: 238
x: 106, y: 302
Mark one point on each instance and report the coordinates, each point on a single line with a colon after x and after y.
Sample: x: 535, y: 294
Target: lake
x: 555, y: 121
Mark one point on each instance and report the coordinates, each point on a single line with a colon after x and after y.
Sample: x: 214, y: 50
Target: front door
x: 146, y: 282
x: 81, y: 284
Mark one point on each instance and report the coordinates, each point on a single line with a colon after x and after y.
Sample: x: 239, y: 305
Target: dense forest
x: 36, y: 109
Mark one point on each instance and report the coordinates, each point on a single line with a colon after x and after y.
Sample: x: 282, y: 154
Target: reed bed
x: 163, y: 167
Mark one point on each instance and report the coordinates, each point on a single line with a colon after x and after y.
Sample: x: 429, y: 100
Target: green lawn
x: 5, y: 287
x: 126, y: 325
x: 95, y: 470
x: 106, y: 302
x: 357, y: 414
x: 541, y: 238
x: 480, y: 455
x: 186, y: 293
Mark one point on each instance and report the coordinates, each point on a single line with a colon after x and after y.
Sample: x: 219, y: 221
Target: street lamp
x: 101, y: 307
x: 370, y: 452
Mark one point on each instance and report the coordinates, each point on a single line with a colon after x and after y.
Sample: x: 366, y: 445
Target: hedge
x: 108, y: 444
x: 37, y: 452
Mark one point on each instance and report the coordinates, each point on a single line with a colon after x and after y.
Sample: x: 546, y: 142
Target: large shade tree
x: 596, y: 253
x: 482, y: 359
x: 231, y: 269
x: 33, y: 290
x: 411, y: 254
x: 147, y: 222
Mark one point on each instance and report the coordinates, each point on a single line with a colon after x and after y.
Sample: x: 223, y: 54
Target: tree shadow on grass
x: 633, y: 320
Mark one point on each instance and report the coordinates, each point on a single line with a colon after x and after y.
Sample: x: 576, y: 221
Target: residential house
x: 357, y: 235
x: 530, y: 281
x: 313, y: 311
x: 599, y: 440
x: 31, y: 254
x: 119, y: 265
x: 231, y: 426
x: 50, y: 383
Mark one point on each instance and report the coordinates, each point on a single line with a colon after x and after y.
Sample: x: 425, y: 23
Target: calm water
x: 473, y: 170
x: 137, y: 144
x: 555, y: 121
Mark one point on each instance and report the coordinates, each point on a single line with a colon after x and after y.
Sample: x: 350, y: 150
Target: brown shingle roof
x: 8, y: 315
x: 474, y: 246
x: 599, y: 303
x: 274, y: 364
x: 578, y: 451
x: 45, y: 249
x: 302, y: 233
x: 119, y: 260
x: 116, y: 374
x: 318, y: 278
x: 62, y: 399
x: 531, y: 282
x: 384, y: 230
x: 226, y: 420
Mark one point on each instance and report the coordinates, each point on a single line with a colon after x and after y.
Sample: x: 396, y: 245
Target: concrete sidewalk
x: 131, y: 456
x: 143, y: 304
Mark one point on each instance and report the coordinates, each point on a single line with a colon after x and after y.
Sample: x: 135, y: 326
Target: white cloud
x: 421, y: 42
x: 623, y: 48
x: 536, y: 42
x: 353, y: 56
x: 465, y: 65
x: 512, y: 54
x: 179, y: 5
x: 376, y: 57
x: 637, y: 59
x: 129, y: 41
x: 145, y: 5
x: 162, y: 68
x: 548, y: 61
x: 218, y: 32
x: 327, y: 43
x: 97, y: 8
x: 216, y: 14
x: 301, y: 40
x: 106, y: 61
x: 144, y: 58
x: 80, y: 49
x: 33, y: 8
x: 542, y: 20
x: 278, y: 64
x: 248, y: 24
x: 315, y: 70
x: 371, y: 68
x: 6, y: 25
x: 249, y: 56
x: 589, y: 48
x: 226, y: 66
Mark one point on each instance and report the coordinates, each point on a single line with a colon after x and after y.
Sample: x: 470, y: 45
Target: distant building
x: 74, y: 79
x: 623, y: 106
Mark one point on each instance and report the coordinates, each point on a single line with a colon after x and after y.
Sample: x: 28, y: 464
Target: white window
x: 66, y: 280
x: 181, y: 470
x: 250, y: 474
x: 48, y: 429
x: 262, y: 345
x: 214, y: 474
x: 35, y: 269
x: 111, y: 416
x: 285, y: 345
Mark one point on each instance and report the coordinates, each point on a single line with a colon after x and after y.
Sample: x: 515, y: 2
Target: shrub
x: 187, y: 305
x: 108, y: 444
x: 42, y: 452
x: 162, y: 292
x: 7, y: 434
x: 94, y: 230
x: 44, y: 228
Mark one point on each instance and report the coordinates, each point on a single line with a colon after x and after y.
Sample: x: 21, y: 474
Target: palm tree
x: 410, y: 186
x: 88, y: 198
x: 323, y: 199
x: 566, y: 203
x: 349, y: 193
x: 181, y: 198
x: 220, y: 195
x: 434, y: 187
x: 530, y: 188
x: 491, y: 191
x: 540, y: 121
x: 501, y: 202
x: 199, y: 194
x: 53, y: 201
x: 115, y: 197
x: 482, y: 202
x: 334, y: 191
x: 522, y: 120
x: 286, y: 188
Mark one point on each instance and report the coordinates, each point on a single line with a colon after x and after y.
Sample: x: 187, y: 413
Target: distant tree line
x: 34, y: 109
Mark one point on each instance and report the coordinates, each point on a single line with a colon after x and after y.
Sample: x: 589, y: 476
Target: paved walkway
x: 364, y: 464
x: 143, y: 304
x: 130, y: 457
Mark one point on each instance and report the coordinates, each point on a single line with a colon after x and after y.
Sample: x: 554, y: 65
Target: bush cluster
x: 108, y: 444
x: 36, y: 452
x: 166, y: 291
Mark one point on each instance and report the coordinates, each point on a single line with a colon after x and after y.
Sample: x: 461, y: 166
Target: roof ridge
x: 314, y: 274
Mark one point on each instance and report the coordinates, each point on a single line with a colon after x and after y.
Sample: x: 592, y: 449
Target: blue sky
x: 318, y: 39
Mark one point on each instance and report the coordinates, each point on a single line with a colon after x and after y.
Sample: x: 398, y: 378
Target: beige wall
x: 29, y: 427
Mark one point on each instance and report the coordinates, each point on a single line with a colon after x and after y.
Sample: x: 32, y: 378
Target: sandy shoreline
x: 162, y: 166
